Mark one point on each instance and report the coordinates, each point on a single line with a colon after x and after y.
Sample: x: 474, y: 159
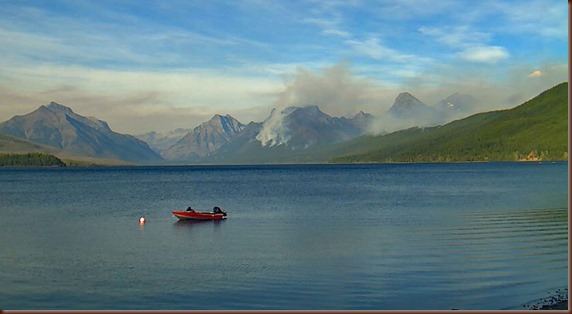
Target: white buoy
x: 142, y: 220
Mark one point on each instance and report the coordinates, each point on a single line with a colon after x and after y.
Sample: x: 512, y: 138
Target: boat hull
x: 198, y: 216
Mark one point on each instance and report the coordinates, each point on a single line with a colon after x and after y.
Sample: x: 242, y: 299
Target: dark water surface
x: 397, y: 236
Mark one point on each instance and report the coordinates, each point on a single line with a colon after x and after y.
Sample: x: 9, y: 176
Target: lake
x: 388, y: 236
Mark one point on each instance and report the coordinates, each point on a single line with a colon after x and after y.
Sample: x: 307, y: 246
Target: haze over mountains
x: 456, y: 105
x: 535, y: 130
x: 288, y: 129
x: 292, y: 134
x: 301, y: 128
x: 163, y: 141
x: 406, y: 106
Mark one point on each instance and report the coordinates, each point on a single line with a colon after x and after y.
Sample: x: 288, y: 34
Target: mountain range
x: 225, y: 138
x: 535, y: 130
x: 290, y: 134
x: 59, y: 127
x: 286, y: 132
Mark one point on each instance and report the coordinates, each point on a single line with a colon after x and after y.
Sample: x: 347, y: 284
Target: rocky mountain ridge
x: 285, y: 130
x: 58, y: 126
x: 408, y: 107
x: 204, y: 139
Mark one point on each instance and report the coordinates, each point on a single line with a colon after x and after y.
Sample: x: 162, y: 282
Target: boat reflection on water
x: 196, y: 228
x: 188, y: 222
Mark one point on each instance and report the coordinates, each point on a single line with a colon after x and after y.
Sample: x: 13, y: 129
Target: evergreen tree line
x: 30, y: 159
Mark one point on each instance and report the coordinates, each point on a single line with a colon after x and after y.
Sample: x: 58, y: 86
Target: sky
x: 144, y: 65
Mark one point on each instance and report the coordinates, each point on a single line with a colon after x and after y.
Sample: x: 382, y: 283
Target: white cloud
x: 484, y: 54
x: 330, y: 25
x: 535, y: 74
x: 336, y: 32
x: 455, y: 36
x: 406, y: 10
x: 376, y: 50
x: 472, y: 45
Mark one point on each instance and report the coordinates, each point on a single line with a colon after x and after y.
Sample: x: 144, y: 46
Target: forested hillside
x: 535, y: 130
x: 30, y: 159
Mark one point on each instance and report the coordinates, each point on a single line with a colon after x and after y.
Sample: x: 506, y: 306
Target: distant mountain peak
x: 310, y: 108
x: 405, y: 94
x: 221, y: 117
x: 404, y: 104
x: 413, y: 112
x: 406, y: 99
x: 457, y: 102
x: 54, y: 106
x: 205, y: 138
x: 303, y: 127
x: 58, y: 126
x: 362, y: 115
x: 307, y: 109
x: 226, y: 124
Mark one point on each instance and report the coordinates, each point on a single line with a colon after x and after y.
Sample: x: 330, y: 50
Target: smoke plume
x: 335, y: 90
x: 340, y: 92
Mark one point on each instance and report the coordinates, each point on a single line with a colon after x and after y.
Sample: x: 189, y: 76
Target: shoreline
x: 562, y: 305
x: 556, y: 301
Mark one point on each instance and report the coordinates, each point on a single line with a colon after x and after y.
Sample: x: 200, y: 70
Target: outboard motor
x: 217, y: 210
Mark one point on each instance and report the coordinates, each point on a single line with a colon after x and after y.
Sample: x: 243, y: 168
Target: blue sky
x: 157, y: 65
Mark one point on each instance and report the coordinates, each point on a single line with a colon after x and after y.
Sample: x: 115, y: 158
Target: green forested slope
x: 30, y: 159
x: 537, y: 129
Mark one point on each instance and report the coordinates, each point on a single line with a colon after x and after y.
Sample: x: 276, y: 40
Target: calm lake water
x: 390, y: 236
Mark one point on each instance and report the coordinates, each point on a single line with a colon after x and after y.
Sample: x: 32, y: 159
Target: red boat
x: 191, y: 215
